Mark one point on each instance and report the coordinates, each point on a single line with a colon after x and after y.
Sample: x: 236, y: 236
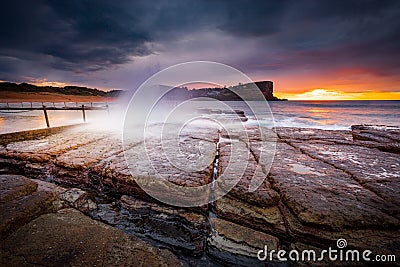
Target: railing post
x: 46, y: 117
x: 83, y: 113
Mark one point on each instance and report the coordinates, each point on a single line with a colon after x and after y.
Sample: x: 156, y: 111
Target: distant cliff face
x: 225, y: 94
x: 267, y: 88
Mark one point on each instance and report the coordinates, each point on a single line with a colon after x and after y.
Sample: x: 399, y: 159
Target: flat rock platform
x: 69, y: 198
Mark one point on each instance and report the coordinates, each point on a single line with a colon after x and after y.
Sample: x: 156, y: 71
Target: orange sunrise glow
x: 341, y: 84
x: 326, y: 94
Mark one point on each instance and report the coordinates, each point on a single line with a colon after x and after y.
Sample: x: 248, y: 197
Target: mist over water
x: 329, y: 115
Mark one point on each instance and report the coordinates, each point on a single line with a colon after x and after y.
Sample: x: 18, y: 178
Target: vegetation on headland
x: 223, y: 94
x: 233, y: 93
x: 67, y: 90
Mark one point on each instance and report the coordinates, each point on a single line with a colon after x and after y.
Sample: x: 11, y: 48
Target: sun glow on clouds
x: 45, y: 82
x: 342, y: 83
x: 327, y: 94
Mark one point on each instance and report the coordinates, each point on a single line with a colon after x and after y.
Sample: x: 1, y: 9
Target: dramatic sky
x: 310, y: 49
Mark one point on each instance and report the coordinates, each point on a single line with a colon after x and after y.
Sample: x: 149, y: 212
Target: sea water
x: 329, y: 115
x: 334, y: 115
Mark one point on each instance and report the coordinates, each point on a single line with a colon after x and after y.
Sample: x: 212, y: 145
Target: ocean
x: 329, y: 115
x: 335, y: 115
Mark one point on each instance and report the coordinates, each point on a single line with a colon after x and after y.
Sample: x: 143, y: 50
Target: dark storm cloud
x: 333, y: 34
x: 246, y: 18
x: 71, y: 34
x: 79, y: 36
x: 342, y: 23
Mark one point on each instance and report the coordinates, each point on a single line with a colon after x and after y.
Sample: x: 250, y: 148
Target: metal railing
x: 41, y: 106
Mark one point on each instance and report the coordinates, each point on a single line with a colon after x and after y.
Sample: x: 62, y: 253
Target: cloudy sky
x: 310, y: 49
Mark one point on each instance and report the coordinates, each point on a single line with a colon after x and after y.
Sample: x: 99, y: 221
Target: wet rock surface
x: 41, y: 150
x: 21, y: 202
x: 152, y: 165
x: 21, y: 210
x: 324, y: 196
x: 70, y: 238
x: 320, y: 187
x: 237, y: 245
x: 182, y: 229
x: 266, y: 219
x: 84, y: 156
x: 38, y: 228
x: 14, y: 186
x: 237, y: 166
x: 381, y: 137
x: 373, y: 169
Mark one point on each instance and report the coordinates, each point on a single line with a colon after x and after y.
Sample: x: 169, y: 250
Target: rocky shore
x: 68, y: 198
